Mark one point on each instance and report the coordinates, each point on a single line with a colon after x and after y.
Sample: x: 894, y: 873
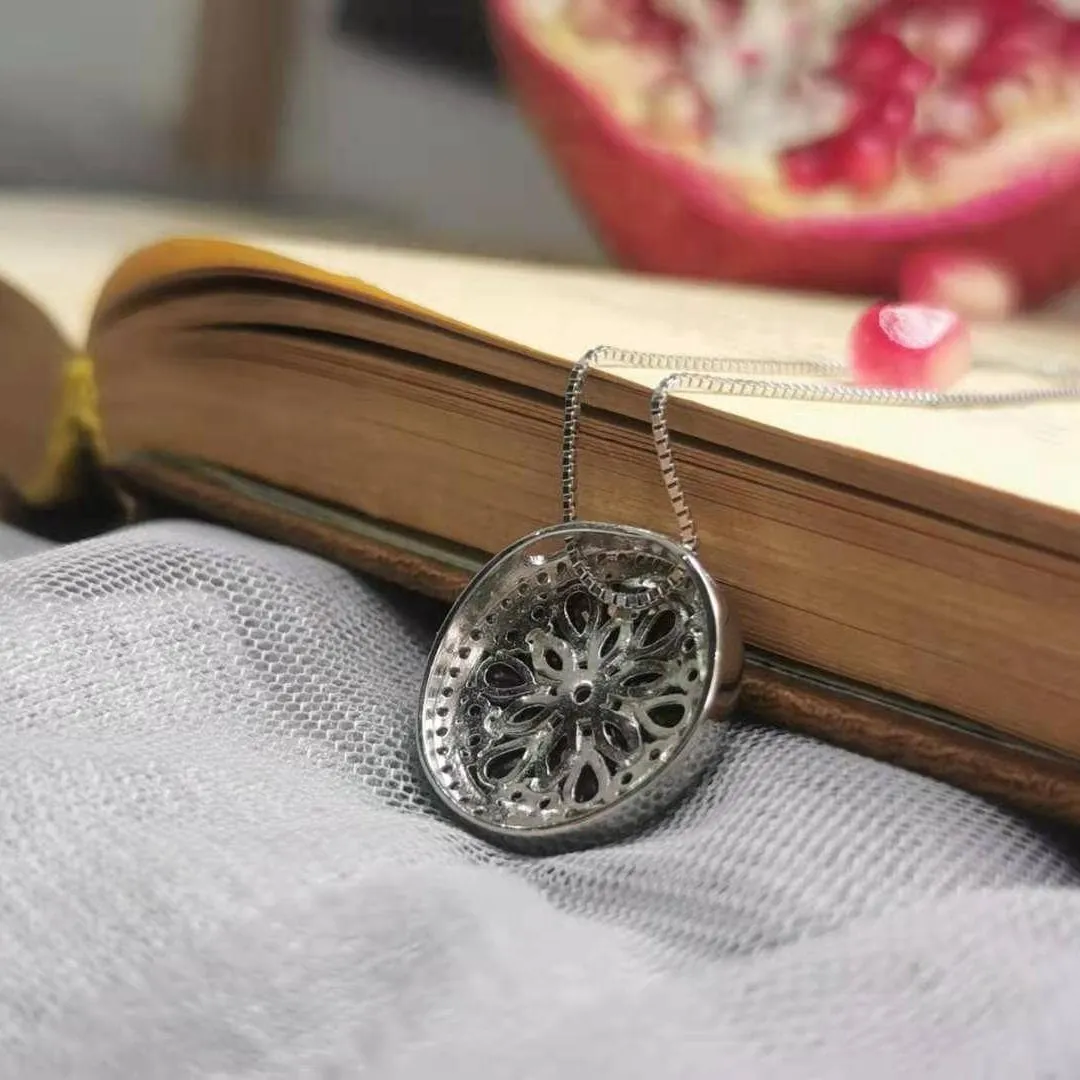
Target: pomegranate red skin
x: 653, y: 213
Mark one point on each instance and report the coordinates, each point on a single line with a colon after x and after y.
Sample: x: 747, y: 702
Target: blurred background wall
x: 89, y: 92
x: 92, y: 96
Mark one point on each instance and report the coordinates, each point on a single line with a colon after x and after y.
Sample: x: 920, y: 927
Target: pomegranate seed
x: 882, y: 20
x: 1020, y: 40
x: 668, y: 36
x: 915, y: 75
x: 872, y: 60
x: 868, y: 160
x: 926, y: 154
x: 909, y: 347
x: 894, y: 112
x: 1070, y: 45
x: 677, y: 112
x: 972, y: 285
x: 960, y: 113
x: 810, y: 168
x: 946, y: 38
x: 659, y: 31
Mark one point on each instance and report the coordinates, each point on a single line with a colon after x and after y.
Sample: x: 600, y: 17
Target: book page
x: 1028, y: 451
x: 58, y: 251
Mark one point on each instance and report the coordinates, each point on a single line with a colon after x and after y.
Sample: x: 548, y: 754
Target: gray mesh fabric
x: 216, y: 860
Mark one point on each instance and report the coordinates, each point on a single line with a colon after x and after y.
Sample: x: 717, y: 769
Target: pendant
x: 571, y: 696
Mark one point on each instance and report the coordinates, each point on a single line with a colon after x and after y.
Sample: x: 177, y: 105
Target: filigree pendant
x: 552, y: 717
x: 571, y: 695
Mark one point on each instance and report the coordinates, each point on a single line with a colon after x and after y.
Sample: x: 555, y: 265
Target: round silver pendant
x: 552, y: 720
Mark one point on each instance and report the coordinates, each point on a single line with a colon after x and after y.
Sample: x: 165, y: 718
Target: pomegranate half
x: 807, y: 143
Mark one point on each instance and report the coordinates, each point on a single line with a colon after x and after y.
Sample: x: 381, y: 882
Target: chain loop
x: 752, y: 378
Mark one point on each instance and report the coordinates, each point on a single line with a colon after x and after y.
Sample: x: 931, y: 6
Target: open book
x: 909, y: 579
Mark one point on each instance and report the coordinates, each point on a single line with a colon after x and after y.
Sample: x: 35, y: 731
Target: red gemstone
x: 909, y: 347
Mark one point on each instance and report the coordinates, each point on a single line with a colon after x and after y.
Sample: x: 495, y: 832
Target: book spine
x: 72, y: 496
x: 76, y: 430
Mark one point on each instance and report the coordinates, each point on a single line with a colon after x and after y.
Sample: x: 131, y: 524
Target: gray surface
x: 14, y: 543
x: 217, y: 861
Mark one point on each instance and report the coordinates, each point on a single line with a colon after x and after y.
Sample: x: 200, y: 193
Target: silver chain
x: 754, y: 378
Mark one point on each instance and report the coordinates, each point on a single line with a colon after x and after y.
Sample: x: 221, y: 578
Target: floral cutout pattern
x: 583, y: 699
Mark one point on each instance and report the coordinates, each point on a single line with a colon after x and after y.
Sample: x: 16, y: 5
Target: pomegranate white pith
x: 833, y: 109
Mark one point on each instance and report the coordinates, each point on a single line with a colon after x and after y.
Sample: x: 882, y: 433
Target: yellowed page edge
x: 1029, y: 452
